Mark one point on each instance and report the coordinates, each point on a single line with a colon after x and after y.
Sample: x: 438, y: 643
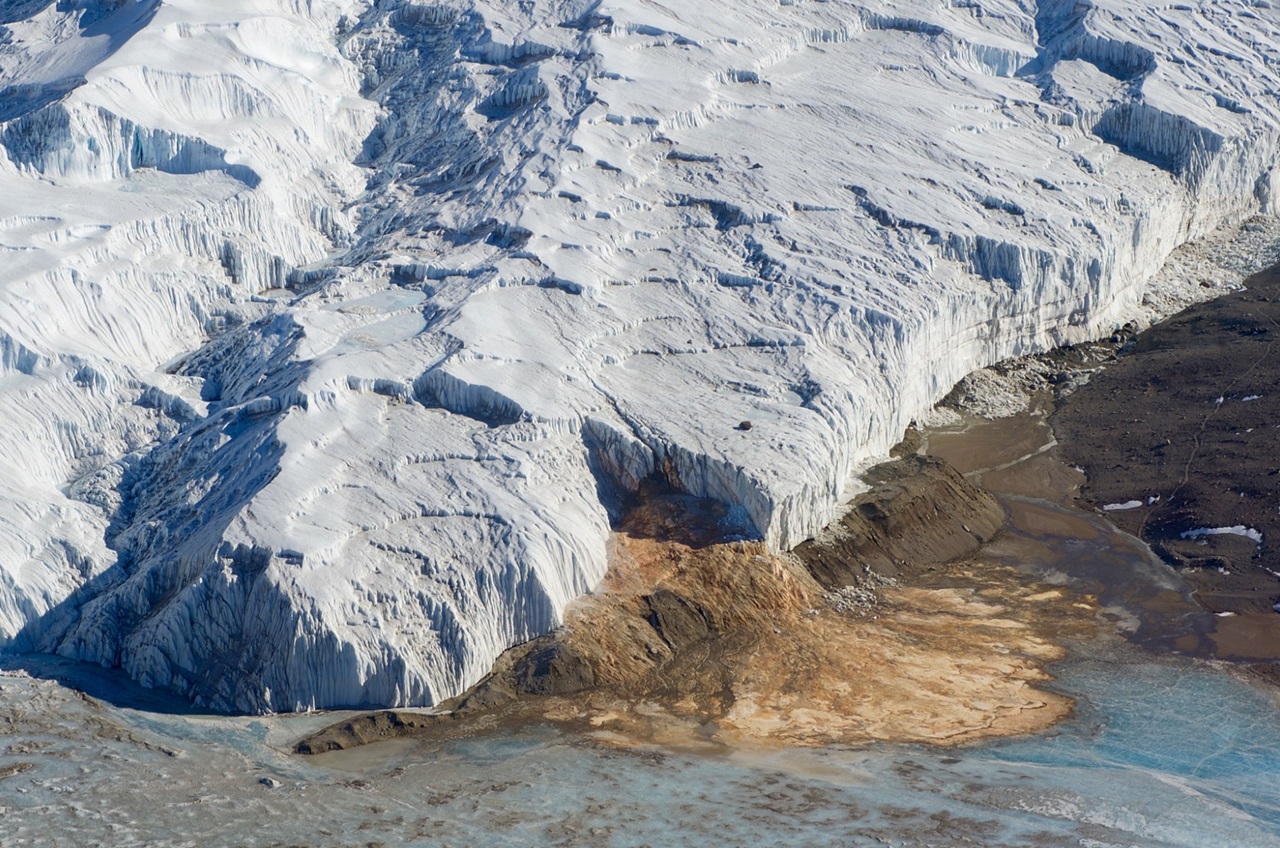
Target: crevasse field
x: 331, y: 331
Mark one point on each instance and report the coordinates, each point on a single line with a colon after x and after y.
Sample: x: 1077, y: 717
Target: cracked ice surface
x: 332, y: 331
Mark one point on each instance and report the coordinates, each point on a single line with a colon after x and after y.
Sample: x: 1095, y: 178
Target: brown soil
x: 691, y: 640
x: 1187, y: 421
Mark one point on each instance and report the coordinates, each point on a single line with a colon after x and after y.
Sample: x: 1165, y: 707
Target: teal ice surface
x: 1159, y: 754
x: 1213, y: 738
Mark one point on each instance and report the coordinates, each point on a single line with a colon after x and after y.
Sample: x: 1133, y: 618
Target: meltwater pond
x: 1160, y: 753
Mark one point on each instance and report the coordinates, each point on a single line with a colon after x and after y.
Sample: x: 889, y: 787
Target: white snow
x: 1237, y: 530
x: 331, y: 332
x: 1118, y: 506
x: 1248, y: 398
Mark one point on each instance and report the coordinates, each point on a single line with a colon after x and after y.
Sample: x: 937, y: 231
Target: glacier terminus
x: 334, y: 333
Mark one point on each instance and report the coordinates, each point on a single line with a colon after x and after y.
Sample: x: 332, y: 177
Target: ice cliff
x: 331, y: 332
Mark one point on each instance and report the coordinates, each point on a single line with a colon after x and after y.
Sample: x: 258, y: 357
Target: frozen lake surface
x: 1168, y: 753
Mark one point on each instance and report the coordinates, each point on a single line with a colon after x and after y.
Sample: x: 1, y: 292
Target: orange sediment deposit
x: 690, y: 641
x: 943, y: 664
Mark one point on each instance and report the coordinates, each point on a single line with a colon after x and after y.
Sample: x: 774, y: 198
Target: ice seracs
x: 332, y: 332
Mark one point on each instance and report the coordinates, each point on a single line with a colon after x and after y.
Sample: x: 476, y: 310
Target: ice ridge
x: 334, y: 333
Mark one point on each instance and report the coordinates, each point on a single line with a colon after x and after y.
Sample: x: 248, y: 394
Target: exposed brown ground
x: 1186, y: 420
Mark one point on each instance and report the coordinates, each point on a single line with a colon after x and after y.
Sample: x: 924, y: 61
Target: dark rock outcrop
x: 920, y: 512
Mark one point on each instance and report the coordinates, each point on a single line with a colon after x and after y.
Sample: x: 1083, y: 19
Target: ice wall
x: 332, y: 331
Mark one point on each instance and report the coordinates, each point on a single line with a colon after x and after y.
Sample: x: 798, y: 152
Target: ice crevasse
x: 333, y: 333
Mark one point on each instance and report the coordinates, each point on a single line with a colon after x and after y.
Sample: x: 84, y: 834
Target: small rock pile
x: 861, y: 598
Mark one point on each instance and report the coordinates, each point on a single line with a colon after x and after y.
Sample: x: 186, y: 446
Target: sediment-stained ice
x: 333, y: 332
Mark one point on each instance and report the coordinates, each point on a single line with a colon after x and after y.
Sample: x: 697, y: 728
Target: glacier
x: 334, y: 333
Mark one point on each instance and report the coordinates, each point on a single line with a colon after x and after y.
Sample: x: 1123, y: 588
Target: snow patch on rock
x: 1237, y: 530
